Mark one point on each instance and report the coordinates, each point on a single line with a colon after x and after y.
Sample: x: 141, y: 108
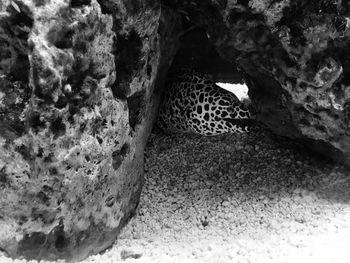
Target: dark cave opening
x: 196, y: 52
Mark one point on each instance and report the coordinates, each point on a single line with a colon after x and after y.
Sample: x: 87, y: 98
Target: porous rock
x: 76, y: 107
x: 295, y: 56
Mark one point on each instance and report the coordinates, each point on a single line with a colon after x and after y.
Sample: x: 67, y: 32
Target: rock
x: 295, y: 60
x: 125, y: 254
x: 225, y: 203
x: 297, y: 70
x: 77, y: 103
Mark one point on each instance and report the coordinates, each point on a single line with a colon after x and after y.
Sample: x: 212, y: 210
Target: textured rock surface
x: 296, y: 61
x: 75, y: 112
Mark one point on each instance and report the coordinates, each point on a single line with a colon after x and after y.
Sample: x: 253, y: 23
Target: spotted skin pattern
x: 193, y: 103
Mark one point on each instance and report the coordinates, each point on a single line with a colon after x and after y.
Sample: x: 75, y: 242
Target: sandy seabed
x: 235, y: 198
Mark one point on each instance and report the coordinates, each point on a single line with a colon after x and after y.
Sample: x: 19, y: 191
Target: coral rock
x: 75, y: 112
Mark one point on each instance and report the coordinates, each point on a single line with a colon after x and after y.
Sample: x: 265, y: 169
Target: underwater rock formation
x: 294, y: 57
x: 76, y: 108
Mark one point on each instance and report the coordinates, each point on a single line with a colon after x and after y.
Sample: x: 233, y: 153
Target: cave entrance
x: 198, y: 53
